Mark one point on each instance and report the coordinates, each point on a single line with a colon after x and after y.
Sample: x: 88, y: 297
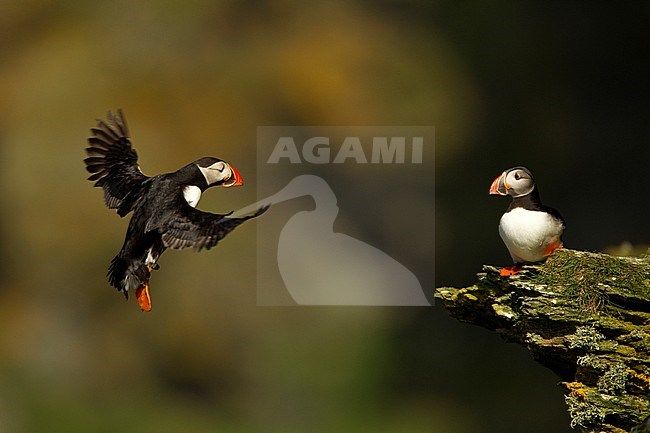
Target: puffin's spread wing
x: 191, y: 227
x: 114, y: 164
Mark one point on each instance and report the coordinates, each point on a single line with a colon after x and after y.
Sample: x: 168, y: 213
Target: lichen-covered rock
x: 585, y: 316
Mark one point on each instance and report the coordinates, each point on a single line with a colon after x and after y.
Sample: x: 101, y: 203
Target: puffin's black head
x: 218, y: 173
x: 515, y: 182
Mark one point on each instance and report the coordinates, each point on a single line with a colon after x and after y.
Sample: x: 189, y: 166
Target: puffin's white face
x: 221, y: 173
x: 516, y: 182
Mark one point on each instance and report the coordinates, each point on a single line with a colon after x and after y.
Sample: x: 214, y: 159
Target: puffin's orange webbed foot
x: 142, y: 294
x: 506, y: 272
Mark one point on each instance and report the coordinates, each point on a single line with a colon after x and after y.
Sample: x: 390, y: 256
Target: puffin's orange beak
x: 499, y: 185
x: 235, y: 178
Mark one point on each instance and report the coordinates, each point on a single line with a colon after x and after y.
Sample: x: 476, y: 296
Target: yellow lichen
x: 642, y: 377
x: 576, y: 390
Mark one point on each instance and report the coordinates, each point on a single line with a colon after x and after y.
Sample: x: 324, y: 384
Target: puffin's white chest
x: 529, y: 234
x: 192, y: 195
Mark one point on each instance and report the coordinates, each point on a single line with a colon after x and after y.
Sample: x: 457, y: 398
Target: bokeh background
x: 562, y: 87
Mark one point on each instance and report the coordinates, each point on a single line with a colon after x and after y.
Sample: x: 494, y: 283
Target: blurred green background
x: 562, y: 87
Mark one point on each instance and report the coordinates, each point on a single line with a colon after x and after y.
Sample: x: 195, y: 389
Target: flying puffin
x: 163, y: 206
x: 530, y: 230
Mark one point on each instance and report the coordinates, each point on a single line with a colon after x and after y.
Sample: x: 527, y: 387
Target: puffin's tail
x: 127, y: 274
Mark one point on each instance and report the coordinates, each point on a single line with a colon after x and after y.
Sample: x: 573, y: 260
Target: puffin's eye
x: 218, y: 167
x: 517, y: 176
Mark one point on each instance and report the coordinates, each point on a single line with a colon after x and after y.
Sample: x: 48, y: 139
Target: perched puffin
x: 163, y: 206
x: 530, y: 230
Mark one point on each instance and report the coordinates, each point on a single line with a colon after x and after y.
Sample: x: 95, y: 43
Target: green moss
x: 505, y: 311
x: 638, y: 334
x: 638, y: 339
x: 643, y: 428
x: 534, y: 339
x: 626, y: 351
x: 470, y: 296
x: 583, y: 278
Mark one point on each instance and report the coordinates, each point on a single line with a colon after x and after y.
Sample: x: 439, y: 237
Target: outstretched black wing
x: 190, y: 227
x: 114, y: 164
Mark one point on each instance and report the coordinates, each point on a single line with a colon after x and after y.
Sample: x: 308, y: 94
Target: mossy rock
x: 584, y: 315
